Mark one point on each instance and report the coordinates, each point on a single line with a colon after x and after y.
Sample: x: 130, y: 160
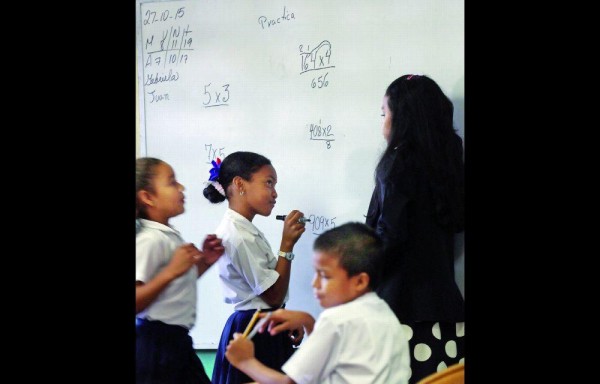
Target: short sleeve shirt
x: 247, y: 267
x: 154, y: 247
x: 359, y: 342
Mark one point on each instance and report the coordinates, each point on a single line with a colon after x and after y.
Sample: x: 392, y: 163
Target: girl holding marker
x: 252, y: 276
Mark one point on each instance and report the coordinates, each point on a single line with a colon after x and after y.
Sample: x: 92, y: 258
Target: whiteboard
x: 298, y: 81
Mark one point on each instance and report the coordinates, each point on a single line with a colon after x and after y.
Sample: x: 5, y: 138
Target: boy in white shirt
x: 356, y: 339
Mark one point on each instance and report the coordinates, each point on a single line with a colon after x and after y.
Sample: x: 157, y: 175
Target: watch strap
x: 288, y: 255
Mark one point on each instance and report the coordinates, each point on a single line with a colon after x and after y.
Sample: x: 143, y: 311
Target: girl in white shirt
x: 252, y: 276
x: 166, y: 270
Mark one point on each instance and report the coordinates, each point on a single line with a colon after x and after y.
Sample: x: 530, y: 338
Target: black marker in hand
x: 300, y: 220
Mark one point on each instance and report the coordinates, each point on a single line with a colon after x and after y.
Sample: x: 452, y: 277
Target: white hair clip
x: 218, y: 187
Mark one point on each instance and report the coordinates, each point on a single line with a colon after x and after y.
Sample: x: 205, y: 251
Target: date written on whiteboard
x: 151, y: 17
x: 319, y: 224
x: 318, y: 132
x: 215, y: 96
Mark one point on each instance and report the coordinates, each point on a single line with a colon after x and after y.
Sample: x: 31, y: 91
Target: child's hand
x: 292, y: 229
x: 239, y: 350
x: 184, y: 257
x: 212, y: 249
x: 294, y: 322
x: 296, y: 336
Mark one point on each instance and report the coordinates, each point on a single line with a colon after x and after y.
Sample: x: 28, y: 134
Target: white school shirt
x: 359, y: 342
x: 247, y: 267
x: 154, y: 246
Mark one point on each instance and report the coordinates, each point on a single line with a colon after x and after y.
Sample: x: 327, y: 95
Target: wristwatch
x: 288, y: 255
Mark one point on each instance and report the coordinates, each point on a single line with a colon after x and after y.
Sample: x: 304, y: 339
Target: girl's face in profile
x: 260, y: 190
x: 168, y: 198
x: 387, y: 119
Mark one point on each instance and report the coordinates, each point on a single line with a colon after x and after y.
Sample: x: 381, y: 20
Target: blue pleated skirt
x: 272, y: 351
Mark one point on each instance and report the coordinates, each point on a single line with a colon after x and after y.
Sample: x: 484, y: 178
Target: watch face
x: 288, y: 255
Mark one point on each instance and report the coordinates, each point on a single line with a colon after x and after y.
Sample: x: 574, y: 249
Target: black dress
x: 418, y: 280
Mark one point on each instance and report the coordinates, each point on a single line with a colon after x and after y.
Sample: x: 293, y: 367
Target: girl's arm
x: 212, y: 249
x: 292, y: 230
x: 183, y: 259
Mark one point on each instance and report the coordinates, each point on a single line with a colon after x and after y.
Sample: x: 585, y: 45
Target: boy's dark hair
x: 359, y: 248
x: 242, y: 164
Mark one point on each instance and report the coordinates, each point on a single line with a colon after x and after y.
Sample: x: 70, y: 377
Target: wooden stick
x: 251, y: 323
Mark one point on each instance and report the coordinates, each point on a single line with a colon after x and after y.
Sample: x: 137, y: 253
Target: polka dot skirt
x: 434, y: 346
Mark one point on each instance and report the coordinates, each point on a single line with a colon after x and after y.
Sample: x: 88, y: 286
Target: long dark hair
x: 242, y: 164
x: 423, y: 134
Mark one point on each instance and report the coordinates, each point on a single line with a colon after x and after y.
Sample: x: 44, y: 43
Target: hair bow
x: 214, y: 172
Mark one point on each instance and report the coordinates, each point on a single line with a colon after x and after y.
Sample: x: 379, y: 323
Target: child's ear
x: 238, y: 182
x: 145, y: 197
x: 362, y: 281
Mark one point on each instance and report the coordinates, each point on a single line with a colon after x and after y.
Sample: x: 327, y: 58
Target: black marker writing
x: 156, y: 98
x: 317, y: 132
x: 271, y: 22
x: 320, y: 224
x: 317, y: 59
x: 320, y: 82
x: 155, y: 78
x: 213, y: 153
x: 216, y: 97
x: 151, y: 17
x: 171, y: 49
